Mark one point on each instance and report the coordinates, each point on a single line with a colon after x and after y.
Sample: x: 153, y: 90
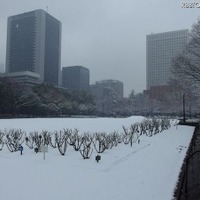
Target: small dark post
x: 98, y: 158
x: 36, y: 150
x: 21, y: 149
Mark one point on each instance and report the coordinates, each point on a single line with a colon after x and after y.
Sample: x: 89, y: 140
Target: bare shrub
x: 14, y: 138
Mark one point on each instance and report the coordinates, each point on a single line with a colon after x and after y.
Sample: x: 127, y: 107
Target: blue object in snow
x: 21, y: 149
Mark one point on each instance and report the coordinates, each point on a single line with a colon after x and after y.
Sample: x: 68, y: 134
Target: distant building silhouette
x: 34, y: 47
x: 160, y: 49
x: 104, y: 88
x: 76, y: 78
x: 1, y: 68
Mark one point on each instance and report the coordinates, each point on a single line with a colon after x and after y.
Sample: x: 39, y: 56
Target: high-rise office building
x: 76, y: 78
x: 34, y: 47
x: 1, y: 68
x: 160, y: 49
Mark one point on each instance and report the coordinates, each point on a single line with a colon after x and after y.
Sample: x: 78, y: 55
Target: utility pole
x: 183, y: 108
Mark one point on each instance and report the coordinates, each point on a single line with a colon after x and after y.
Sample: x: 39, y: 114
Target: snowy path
x: 124, y: 158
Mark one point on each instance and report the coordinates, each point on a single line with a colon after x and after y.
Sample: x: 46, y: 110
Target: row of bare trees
x: 83, y: 143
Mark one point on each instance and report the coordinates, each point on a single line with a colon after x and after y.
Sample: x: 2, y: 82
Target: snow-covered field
x: 147, y: 171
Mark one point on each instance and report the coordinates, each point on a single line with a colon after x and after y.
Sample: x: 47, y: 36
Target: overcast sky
x: 106, y: 36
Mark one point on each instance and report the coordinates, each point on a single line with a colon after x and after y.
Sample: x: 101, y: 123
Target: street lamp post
x: 183, y: 108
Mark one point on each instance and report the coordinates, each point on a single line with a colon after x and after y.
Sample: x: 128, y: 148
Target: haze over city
x: 108, y: 36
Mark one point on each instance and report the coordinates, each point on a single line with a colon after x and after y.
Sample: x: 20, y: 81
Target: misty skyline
x: 106, y: 36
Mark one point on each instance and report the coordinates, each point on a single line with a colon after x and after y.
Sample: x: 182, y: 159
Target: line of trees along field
x: 45, y: 100
x: 42, y: 100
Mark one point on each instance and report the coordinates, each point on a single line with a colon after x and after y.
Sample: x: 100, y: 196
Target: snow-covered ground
x: 147, y: 171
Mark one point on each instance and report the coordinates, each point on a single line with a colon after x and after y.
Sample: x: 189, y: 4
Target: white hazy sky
x: 106, y: 36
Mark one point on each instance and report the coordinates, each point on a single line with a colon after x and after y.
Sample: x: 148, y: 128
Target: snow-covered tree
x: 186, y: 66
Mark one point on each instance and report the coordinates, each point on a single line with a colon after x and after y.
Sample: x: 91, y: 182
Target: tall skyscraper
x: 1, y: 68
x: 76, y: 78
x: 34, y: 47
x: 160, y: 49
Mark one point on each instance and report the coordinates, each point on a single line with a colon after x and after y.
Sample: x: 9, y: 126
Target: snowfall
x: 146, y: 171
